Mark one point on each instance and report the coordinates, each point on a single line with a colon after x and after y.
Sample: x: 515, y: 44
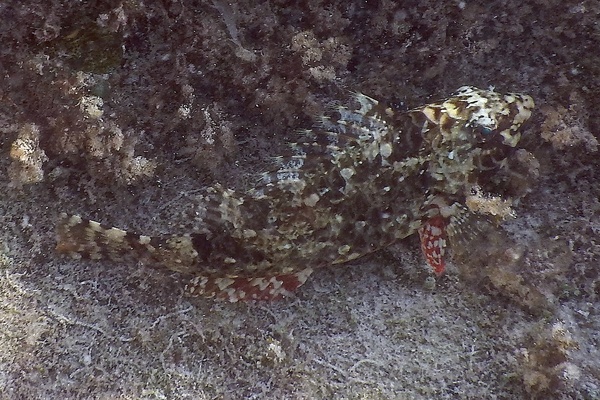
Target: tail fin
x: 84, y: 238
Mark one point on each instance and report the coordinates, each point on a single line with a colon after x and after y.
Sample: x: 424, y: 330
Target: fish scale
x: 362, y: 179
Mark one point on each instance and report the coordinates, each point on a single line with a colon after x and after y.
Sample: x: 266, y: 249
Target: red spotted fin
x: 238, y: 288
x: 434, y: 242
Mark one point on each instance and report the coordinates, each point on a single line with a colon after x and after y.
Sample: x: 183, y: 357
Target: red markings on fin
x: 433, y: 243
x: 238, y: 288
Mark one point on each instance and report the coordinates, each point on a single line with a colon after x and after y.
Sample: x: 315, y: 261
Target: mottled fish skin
x: 366, y: 177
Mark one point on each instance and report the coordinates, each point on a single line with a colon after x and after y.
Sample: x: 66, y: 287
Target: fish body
x: 366, y: 176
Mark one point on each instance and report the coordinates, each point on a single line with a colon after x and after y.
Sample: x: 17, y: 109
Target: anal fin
x: 244, y: 288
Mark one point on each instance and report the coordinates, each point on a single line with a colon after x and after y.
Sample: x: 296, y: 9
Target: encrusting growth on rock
x: 28, y: 158
x: 365, y: 177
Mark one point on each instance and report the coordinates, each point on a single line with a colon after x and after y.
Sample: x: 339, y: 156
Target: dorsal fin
x: 346, y: 138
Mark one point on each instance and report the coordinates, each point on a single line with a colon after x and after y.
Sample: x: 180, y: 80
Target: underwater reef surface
x: 123, y: 113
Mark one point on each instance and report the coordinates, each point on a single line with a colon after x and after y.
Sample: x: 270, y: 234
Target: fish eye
x: 484, y: 130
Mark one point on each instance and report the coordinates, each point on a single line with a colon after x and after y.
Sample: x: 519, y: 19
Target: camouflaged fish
x: 366, y: 177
